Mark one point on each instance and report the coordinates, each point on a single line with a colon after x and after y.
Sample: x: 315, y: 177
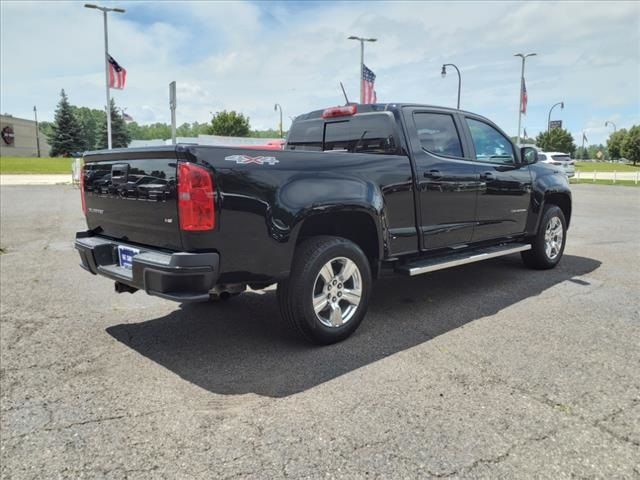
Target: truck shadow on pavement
x: 239, y: 346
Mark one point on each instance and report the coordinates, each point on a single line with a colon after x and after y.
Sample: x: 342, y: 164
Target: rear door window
x: 438, y: 134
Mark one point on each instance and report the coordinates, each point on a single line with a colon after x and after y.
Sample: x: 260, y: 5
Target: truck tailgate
x: 133, y: 199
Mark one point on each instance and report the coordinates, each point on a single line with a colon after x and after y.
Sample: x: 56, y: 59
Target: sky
x: 246, y: 56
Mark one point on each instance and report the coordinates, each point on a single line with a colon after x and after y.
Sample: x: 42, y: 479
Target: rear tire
x: 547, y: 246
x: 327, y: 293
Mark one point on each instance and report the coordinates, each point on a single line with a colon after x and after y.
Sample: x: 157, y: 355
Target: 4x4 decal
x: 246, y: 159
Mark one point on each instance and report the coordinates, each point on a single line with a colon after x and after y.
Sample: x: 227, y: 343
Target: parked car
x: 562, y: 160
x: 358, y: 190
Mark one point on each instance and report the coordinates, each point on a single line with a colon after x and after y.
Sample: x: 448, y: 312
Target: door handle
x: 487, y: 176
x: 433, y: 174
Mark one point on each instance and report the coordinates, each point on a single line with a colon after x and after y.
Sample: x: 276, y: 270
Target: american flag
x: 368, y: 79
x: 523, y: 97
x: 117, y: 74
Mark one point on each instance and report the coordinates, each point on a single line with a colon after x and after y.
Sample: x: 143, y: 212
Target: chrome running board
x: 462, y: 258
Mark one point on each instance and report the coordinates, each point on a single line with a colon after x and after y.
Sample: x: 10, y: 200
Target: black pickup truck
x: 357, y: 190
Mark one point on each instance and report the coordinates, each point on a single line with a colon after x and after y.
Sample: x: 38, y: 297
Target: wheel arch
x: 355, y: 224
x: 562, y: 200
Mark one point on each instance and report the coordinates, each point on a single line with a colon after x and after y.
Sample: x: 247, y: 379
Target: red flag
x: 368, y: 80
x: 523, y: 97
x: 117, y: 74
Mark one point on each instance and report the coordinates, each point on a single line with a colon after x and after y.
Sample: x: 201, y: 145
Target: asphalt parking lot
x: 484, y: 371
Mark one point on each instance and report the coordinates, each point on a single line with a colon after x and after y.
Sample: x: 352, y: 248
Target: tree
x: 46, y: 128
x: 90, y: 120
x: 65, y: 137
x: 120, y: 137
x: 631, y: 144
x: 270, y: 133
x: 592, y: 152
x: 556, y: 140
x: 614, y: 143
x: 230, y: 124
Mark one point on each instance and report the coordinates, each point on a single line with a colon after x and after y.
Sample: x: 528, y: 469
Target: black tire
x: 538, y: 257
x: 296, y: 294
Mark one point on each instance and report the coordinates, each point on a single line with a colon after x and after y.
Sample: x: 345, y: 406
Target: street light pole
x: 362, y: 40
x: 275, y: 108
x: 524, y: 57
x: 606, y: 124
x: 549, y: 118
x: 104, y: 11
x: 444, y: 73
x: 35, y: 113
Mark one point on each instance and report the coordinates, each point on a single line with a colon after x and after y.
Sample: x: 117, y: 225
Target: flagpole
x: 104, y: 11
x: 523, y: 56
x: 362, y: 40
x: 106, y: 79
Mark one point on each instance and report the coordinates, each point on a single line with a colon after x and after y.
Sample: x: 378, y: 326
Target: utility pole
x: 277, y: 107
x: 172, y: 106
x: 524, y: 57
x: 362, y: 40
x: 104, y: 11
x: 35, y: 113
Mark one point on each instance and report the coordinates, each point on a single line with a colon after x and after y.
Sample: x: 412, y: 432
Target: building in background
x: 19, y: 138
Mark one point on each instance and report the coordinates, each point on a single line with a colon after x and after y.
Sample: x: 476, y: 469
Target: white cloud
x: 247, y: 56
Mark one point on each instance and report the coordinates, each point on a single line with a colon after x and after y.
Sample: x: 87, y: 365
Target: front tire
x: 327, y: 293
x: 547, y: 246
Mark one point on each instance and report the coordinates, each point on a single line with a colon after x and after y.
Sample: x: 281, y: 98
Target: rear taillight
x: 84, y: 203
x: 196, y: 205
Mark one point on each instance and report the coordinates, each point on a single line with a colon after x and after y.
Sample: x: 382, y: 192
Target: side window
x: 438, y: 134
x: 541, y: 156
x: 491, y: 146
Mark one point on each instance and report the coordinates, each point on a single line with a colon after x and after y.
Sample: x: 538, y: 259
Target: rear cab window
x: 361, y: 133
x: 561, y: 158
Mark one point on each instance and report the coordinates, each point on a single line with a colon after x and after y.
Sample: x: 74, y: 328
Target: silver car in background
x: 559, y: 159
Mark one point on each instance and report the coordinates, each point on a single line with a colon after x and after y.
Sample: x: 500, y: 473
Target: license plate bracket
x: 125, y: 256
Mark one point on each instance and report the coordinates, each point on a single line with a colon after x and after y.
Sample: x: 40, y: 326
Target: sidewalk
x: 17, y: 179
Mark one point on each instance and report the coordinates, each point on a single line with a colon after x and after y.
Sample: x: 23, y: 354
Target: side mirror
x: 528, y: 155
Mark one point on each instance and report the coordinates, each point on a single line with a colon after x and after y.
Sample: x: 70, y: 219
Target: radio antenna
x: 344, y: 93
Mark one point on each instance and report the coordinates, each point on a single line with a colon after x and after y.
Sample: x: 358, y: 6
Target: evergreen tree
x: 65, y: 137
x: 120, y: 137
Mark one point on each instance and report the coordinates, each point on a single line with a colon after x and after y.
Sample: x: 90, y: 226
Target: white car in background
x: 559, y: 159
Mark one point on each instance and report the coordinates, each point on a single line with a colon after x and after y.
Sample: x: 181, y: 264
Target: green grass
x: 625, y: 183
x: 27, y: 165
x: 606, y: 167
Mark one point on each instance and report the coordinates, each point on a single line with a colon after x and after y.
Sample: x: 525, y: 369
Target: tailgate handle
x: 119, y: 173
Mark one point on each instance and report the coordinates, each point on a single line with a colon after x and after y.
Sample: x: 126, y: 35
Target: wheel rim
x: 337, y: 292
x: 553, y: 236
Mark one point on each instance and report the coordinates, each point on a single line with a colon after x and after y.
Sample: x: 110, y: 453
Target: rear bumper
x: 181, y: 276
